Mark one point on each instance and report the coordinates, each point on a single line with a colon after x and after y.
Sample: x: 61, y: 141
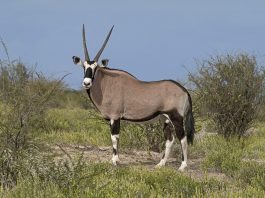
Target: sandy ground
x: 138, y: 158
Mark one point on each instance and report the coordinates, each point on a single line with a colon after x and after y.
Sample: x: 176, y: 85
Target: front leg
x: 115, y: 130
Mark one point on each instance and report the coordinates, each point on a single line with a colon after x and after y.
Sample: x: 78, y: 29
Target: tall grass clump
x: 252, y: 174
x: 230, y: 90
x: 222, y: 156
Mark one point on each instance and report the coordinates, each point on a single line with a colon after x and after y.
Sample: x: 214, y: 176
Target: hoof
x: 160, y: 164
x: 115, y: 160
x: 183, y: 166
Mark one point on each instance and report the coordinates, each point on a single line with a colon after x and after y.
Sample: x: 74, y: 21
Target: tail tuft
x: 189, y: 122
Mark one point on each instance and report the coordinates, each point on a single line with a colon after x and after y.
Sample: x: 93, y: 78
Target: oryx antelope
x: 118, y: 96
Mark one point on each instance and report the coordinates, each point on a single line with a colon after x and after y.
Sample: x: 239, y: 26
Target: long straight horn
x: 103, y: 46
x: 84, y: 44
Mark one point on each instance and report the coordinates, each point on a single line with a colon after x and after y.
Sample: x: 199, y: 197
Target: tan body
x: 119, y: 95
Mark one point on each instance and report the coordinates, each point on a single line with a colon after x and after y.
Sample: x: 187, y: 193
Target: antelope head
x: 88, y: 64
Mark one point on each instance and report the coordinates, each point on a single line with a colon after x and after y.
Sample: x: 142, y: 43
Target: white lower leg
x: 167, y: 152
x: 184, y: 146
x: 115, y: 157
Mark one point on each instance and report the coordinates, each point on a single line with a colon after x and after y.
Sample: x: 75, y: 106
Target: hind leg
x: 184, y: 147
x: 178, y: 125
x: 169, y: 142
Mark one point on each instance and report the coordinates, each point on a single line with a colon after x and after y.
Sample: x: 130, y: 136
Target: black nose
x: 87, y: 84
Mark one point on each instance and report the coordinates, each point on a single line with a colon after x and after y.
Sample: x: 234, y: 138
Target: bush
x: 24, y: 98
x: 230, y: 90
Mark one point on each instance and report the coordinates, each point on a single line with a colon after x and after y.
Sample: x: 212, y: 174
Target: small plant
x: 230, y: 90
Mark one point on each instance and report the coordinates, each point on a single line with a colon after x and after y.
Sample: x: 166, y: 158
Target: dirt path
x: 137, y: 158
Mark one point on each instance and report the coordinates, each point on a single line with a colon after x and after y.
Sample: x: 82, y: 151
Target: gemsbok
x: 118, y: 95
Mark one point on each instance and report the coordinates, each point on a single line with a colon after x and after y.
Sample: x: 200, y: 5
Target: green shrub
x: 24, y: 97
x: 230, y: 90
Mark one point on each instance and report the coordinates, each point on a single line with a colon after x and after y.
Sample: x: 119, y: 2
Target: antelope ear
x: 77, y: 60
x: 104, y: 62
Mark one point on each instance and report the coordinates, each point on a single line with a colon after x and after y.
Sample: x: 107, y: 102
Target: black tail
x: 189, y: 122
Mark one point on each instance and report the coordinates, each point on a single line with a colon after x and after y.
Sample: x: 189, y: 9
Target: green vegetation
x: 74, y: 126
x: 230, y: 90
x: 85, y: 126
x: 103, y: 180
x: 40, y: 118
x: 74, y: 178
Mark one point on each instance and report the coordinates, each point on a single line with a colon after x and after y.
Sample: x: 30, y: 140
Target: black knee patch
x: 115, y: 130
x: 178, y: 125
x: 114, y: 151
x: 180, y: 133
x: 168, y: 132
x: 115, y: 127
